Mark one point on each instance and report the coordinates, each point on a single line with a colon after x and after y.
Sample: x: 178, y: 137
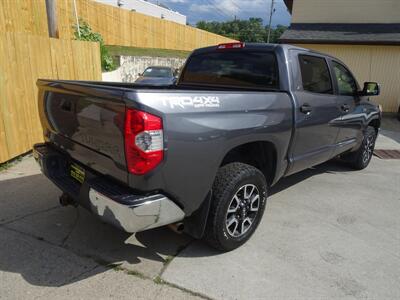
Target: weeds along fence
x: 117, y: 26
x: 24, y: 59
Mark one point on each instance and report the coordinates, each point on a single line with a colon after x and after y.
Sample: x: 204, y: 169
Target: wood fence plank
x: 3, y: 82
x: 30, y: 58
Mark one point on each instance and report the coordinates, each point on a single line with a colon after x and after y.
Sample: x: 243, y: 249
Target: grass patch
x: 133, y: 51
x: 119, y: 268
x: 10, y: 163
x: 168, y: 260
x: 136, y: 274
x: 158, y: 280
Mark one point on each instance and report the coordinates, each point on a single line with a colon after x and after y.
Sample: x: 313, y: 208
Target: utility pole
x: 51, y: 9
x: 270, y: 20
x: 77, y: 19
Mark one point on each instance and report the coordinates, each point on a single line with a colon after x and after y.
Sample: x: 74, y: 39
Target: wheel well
x: 376, y: 124
x: 261, y: 155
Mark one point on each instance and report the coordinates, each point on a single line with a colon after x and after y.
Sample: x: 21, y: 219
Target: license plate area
x: 77, y: 173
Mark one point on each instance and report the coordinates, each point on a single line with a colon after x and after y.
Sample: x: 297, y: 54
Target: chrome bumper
x: 148, y: 212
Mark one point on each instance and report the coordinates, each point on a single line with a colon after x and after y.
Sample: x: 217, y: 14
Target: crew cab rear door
x: 315, y: 112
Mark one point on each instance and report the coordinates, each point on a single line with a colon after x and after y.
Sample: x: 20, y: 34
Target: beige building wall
x: 346, y: 11
x: 370, y: 63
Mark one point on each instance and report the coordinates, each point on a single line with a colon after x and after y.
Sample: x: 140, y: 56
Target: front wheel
x: 239, y: 199
x: 361, y: 158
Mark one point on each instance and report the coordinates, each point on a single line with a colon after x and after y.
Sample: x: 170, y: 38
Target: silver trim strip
x: 150, y: 214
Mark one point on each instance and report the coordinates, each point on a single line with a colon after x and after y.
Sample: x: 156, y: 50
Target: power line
x: 221, y: 12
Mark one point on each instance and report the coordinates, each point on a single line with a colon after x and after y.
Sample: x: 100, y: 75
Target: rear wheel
x: 361, y: 158
x: 239, y: 199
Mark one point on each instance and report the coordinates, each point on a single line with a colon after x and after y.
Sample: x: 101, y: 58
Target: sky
x: 223, y: 10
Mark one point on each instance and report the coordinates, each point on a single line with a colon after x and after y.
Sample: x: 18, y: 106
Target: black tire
x: 233, y: 180
x: 361, y: 158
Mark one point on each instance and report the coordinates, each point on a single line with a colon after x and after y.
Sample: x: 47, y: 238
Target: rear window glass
x: 157, y: 72
x: 233, y: 69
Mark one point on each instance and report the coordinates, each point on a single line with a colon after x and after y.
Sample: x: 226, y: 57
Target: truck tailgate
x: 88, y: 123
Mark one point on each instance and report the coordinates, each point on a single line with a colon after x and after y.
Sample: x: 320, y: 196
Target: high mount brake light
x: 144, y: 142
x: 231, y: 46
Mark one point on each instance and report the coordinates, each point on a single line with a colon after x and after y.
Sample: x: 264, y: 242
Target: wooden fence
x: 117, y: 26
x: 24, y: 59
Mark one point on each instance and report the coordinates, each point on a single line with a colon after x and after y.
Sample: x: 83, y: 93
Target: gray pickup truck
x: 202, y: 154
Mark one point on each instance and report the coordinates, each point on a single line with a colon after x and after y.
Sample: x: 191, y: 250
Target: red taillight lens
x: 144, y: 141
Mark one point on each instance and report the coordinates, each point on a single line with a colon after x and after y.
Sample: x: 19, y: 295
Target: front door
x: 349, y: 123
x: 316, y: 113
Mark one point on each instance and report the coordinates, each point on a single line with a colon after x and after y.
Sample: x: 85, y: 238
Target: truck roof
x: 263, y: 46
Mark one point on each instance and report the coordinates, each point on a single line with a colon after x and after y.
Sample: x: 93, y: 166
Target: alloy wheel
x: 368, y: 148
x: 243, y: 210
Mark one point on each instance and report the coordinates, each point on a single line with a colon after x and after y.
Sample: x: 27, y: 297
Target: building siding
x: 346, y: 11
x: 147, y: 8
x: 370, y: 63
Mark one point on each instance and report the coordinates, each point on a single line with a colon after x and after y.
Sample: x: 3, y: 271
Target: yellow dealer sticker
x: 77, y: 173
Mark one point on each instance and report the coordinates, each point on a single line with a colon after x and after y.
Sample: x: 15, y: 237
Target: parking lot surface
x: 328, y: 232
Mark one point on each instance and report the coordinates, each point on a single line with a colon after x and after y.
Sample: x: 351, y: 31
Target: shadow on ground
x: 49, y: 245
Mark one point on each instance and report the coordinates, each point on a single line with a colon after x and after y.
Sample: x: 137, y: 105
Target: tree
x: 251, y: 30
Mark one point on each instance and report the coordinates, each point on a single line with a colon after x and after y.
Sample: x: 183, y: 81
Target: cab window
x: 347, y: 85
x: 315, y: 74
x: 240, y: 69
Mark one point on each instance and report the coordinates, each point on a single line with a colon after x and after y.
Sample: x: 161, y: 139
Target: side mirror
x: 370, y: 89
x: 139, y: 74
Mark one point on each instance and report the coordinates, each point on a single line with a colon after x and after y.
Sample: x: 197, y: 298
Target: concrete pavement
x: 328, y: 232
x: 47, y: 251
x: 315, y: 242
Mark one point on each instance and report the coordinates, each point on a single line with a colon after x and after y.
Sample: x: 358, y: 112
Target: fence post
x: 51, y: 9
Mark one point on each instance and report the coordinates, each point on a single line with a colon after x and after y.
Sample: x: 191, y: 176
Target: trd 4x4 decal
x: 195, y: 102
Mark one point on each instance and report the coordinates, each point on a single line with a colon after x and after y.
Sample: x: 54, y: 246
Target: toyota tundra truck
x: 201, y: 155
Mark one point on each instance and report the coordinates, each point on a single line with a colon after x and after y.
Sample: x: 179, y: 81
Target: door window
x: 346, y: 83
x: 315, y: 74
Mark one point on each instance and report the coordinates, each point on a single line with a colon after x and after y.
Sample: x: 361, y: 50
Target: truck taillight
x: 144, y: 142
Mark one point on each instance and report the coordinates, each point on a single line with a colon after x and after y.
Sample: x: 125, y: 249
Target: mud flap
x: 195, y: 225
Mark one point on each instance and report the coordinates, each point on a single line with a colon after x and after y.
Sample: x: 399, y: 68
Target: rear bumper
x: 114, y: 203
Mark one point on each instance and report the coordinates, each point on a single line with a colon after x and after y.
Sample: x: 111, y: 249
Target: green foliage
x: 251, y: 30
x: 85, y: 33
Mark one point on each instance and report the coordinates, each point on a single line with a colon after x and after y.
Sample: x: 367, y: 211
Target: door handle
x: 345, y: 108
x: 306, y: 109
